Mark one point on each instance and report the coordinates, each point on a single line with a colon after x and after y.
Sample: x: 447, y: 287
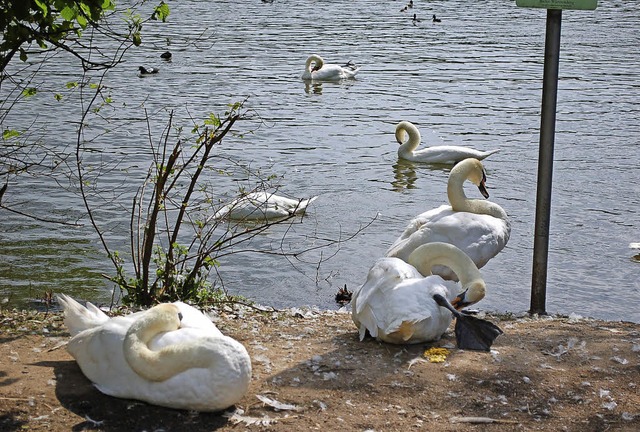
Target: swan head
x: 474, y: 171
x: 473, y: 292
x: 317, y: 63
x: 161, y: 318
x: 407, y: 128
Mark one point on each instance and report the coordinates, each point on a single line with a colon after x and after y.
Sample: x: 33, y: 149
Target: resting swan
x: 327, y: 72
x: 480, y: 228
x: 263, y: 206
x: 438, y: 155
x: 170, y: 355
x: 396, y: 304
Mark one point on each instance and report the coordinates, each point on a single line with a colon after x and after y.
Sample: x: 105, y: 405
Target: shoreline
x: 544, y: 373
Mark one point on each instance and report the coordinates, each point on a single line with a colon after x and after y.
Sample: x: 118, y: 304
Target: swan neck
x: 162, y: 364
x: 460, y: 203
x: 424, y: 257
x: 413, y: 140
x: 311, y: 59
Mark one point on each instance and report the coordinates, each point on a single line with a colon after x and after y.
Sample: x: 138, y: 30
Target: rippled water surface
x: 474, y: 79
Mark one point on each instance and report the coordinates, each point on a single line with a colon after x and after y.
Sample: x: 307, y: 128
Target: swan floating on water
x: 171, y: 355
x: 447, y: 154
x: 327, y: 72
x: 402, y: 303
x: 480, y: 228
x: 263, y: 206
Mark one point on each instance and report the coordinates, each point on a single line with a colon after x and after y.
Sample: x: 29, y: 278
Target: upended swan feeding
x: 402, y: 303
x: 446, y: 154
x: 316, y: 69
x: 480, y: 228
x: 171, y: 355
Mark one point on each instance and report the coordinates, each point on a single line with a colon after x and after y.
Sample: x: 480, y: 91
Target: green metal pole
x: 545, y: 161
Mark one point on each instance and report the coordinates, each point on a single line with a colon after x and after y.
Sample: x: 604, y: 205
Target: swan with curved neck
x: 480, y: 228
x: 170, y: 360
x: 408, y: 136
x: 170, y: 355
x: 316, y: 69
x: 397, y: 305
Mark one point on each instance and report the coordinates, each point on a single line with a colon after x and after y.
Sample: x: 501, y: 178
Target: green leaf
x: 10, y: 133
x: 81, y: 20
x: 58, y: 96
x: 213, y: 120
x: 72, y: 84
x: 43, y: 7
x: 29, y: 91
x: 67, y: 13
x: 137, y: 40
x: 161, y: 12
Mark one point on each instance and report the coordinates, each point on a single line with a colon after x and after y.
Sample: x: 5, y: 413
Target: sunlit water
x: 474, y: 79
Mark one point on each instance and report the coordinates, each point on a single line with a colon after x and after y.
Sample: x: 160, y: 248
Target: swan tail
x: 303, y: 204
x: 309, y: 201
x: 77, y: 317
x: 489, y: 153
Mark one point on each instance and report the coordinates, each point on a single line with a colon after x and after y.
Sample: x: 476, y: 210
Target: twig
x: 480, y: 420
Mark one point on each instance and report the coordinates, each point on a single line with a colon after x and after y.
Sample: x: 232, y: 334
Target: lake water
x: 474, y: 79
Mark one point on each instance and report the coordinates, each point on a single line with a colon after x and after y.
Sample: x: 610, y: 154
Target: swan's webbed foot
x: 475, y: 334
x: 471, y: 333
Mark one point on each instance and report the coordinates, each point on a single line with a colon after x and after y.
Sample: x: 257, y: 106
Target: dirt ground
x: 549, y: 374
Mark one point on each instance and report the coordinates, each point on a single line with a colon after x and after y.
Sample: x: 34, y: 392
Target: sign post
x: 547, y: 137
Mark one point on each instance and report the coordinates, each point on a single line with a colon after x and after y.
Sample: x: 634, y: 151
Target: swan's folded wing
x: 77, y: 317
x: 416, y: 225
x: 481, y: 237
x: 410, y: 302
x: 383, y: 276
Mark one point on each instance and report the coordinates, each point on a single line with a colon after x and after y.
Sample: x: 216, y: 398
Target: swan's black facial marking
x: 460, y: 301
x: 443, y: 302
x: 482, y: 187
x: 180, y: 316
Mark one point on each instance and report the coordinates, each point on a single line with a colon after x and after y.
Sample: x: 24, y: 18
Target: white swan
x: 438, y: 154
x: 480, y: 228
x: 396, y: 304
x: 263, y: 206
x: 170, y: 355
x: 327, y: 72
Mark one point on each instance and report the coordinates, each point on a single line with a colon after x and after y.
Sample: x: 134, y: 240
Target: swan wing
x: 332, y: 72
x: 193, y: 318
x: 404, y: 311
x: 444, y: 154
x: 412, y: 316
x: 263, y: 205
x: 419, y: 221
x: 480, y: 236
x: 383, y: 276
x: 78, y: 317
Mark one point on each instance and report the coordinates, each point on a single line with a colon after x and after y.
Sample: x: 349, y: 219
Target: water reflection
x: 404, y: 174
x: 314, y: 87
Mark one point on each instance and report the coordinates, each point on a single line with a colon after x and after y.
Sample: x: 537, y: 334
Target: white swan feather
x: 396, y: 303
x: 263, y: 206
x: 316, y: 69
x: 480, y: 228
x: 408, y: 136
x: 196, y: 366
